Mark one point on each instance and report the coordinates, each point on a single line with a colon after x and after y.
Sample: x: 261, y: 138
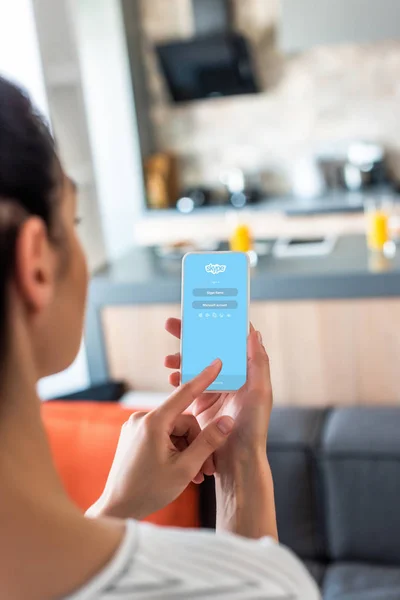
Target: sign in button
x: 232, y: 304
x: 215, y: 292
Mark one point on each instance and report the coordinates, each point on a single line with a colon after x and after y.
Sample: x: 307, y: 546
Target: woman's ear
x: 35, y: 264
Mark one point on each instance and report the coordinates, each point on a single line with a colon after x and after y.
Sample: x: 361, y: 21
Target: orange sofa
x: 83, y: 438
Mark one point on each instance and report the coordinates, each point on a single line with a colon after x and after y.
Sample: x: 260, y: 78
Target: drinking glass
x: 377, y: 212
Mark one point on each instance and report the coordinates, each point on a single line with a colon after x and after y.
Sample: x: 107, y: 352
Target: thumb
x: 207, y: 442
x: 258, y: 362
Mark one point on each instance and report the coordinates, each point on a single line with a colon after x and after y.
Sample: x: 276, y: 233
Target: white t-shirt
x: 174, y: 564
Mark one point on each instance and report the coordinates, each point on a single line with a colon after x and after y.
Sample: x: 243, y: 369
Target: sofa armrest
x: 83, y: 439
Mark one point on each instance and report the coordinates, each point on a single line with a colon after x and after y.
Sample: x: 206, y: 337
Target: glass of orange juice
x: 377, y: 212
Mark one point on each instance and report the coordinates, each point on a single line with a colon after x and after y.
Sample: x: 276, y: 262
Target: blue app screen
x: 215, y: 316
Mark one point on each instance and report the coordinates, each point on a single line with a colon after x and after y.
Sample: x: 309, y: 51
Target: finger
x: 198, y: 479
x: 180, y: 400
x: 210, y: 439
x: 173, y: 326
x: 209, y: 466
x: 175, y: 379
x: 258, y: 363
x: 187, y: 428
x: 251, y: 328
x: 205, y: 401
x: 173, y: 361
x: 255, y: 346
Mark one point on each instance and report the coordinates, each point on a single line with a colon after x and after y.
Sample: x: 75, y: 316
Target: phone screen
x: 215, y: 299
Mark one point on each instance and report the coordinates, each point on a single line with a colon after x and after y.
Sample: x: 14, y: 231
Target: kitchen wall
x: 311, y: 99
x: 20, y: 60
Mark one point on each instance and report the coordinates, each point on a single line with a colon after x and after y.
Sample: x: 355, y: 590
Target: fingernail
x: 260, y: 337
x: 225, y: 425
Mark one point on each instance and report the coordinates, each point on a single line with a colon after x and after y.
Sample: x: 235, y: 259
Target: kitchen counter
x: 348, y: 272
x: 329, y: 323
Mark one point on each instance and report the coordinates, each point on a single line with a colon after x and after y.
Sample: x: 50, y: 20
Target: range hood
x: 212, y: 16
x: 216, y: 62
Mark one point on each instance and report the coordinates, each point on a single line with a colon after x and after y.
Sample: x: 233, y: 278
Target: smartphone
x: 215, y: 316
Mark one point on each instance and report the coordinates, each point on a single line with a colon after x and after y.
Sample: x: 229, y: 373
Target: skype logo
x: 215, y: 269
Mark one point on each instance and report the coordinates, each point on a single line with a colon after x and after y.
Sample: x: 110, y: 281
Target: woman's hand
x: 244, y: 486
x: 250, y: 407
x: 160, y: 452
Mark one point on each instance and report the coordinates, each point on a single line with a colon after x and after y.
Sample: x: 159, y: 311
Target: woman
x: 48, y: 549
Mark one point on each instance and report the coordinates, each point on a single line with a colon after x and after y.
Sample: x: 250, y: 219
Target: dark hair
x: 29, y: 176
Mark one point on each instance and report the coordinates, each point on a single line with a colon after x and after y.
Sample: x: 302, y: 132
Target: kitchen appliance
x: 193, y: 198
x: 357, y: 166
x: 216, y: 62
x: 302, y: 247
x: 242, y: 189
x: 207, y: 67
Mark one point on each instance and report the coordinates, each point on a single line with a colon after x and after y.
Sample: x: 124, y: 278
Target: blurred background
x: 268, y: 126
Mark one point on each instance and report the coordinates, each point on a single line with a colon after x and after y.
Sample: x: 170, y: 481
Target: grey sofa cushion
x: 363, y: 430
x: 337, y: 489
x: 361, y: 582
x: 294, y: 436
x: 360, y: 462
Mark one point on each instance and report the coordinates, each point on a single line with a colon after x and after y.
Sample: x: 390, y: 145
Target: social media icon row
x: 214, y: 315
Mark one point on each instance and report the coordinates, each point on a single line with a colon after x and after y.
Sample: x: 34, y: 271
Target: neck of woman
x: 26, y: 466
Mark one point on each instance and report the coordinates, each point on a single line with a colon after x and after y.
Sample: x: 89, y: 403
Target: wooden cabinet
x: 322, y: 353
